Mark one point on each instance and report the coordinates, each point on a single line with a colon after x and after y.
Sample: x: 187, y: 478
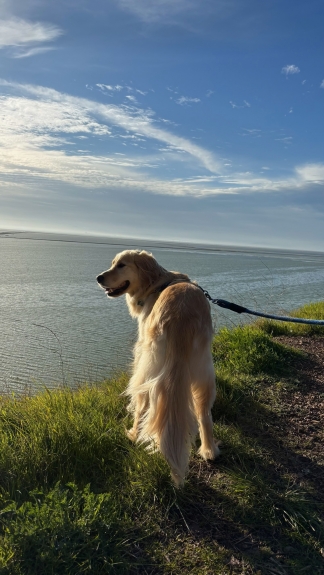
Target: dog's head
x: 131, y: 271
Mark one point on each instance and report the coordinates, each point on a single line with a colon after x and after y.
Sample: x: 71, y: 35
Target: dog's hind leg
x: 204, y: 393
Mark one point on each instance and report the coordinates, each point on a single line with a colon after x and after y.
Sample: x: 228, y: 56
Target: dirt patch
x: 302, y: 411
x: 288, y: 425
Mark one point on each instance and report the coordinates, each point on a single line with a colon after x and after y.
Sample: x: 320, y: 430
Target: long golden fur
x: 172, y: 388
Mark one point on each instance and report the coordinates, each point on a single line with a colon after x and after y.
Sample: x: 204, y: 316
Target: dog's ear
x: 148, y: 267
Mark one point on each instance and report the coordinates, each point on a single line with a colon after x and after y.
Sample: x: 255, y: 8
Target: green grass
x: 249, y: 351
x: 77, y: 497
x: 309, y: 311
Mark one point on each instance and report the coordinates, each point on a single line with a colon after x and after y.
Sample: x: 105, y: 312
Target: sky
x: 189, y: 120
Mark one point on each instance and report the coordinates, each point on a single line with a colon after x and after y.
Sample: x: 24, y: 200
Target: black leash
x: 239, y: 309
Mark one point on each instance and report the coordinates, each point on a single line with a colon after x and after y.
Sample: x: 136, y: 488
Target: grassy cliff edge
x: 77, y: 497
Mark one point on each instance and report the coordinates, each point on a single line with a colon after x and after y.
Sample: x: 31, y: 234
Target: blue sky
x: 192, y: 120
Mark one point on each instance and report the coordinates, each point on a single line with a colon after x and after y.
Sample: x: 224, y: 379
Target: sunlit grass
x: 310, y: 311
x: 76, y: 496
x: 249, y: 350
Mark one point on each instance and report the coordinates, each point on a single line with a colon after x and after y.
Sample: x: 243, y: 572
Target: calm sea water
x: 58, y: 327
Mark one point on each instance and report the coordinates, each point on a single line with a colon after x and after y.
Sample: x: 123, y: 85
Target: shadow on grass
x: 261, y: 544
x: 255, y: 501
x: 244, y: 513
x: 71, y: 531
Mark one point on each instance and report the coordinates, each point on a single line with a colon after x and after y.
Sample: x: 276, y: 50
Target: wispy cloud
x: 182, y: 13
x: 290, y: 69
x: 26, y: 53
x: 110, y: 88
x: 322, y: 84
x: 151, y: 11
x: 186, y: 100
x: 46, y: 111
x: 23, y: 37
x: 39, y: 140
x: 131, y: 99
x: 18, y: 32
x: 255, y: 132
x: 285, y: 139
x: 244, y: 105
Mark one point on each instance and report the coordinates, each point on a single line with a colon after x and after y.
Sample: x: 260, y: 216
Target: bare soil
x: 292, y: 433
x: 302, y: 411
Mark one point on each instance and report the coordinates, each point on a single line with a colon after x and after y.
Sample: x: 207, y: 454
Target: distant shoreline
x: 127, y: 242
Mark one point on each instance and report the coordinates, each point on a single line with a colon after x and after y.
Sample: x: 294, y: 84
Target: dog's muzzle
x: 113, y: 292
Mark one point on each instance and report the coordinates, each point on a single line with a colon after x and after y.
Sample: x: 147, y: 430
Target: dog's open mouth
x: 113, y: 292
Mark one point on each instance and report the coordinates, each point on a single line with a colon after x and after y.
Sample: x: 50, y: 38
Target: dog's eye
x: 120, y: 265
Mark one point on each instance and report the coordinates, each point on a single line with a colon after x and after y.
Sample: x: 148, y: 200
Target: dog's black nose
x: 100, y: 279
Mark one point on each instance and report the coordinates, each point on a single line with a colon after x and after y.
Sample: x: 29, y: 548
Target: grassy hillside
x: 77, y: 497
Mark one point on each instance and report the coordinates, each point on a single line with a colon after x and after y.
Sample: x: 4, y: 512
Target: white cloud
x: 290, y: 69
x: 131, y: 99
x: 244, y: 105
x: 18, y: 32
x: 22, y: 36
x: 40, y: 127
x: 43, y: 119
x: 285, y: 139
x: 252, y: 132
x: 322, y: 84
x: 116, y: 88
x: 184, y: 100
x: 22, y: 53
x: 34, y: 116
x: 311, y: 173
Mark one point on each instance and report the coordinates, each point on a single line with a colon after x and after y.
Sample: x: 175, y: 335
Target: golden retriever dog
x: 172, y: 388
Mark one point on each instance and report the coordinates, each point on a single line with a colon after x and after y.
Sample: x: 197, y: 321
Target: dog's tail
x: 170, y: 421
